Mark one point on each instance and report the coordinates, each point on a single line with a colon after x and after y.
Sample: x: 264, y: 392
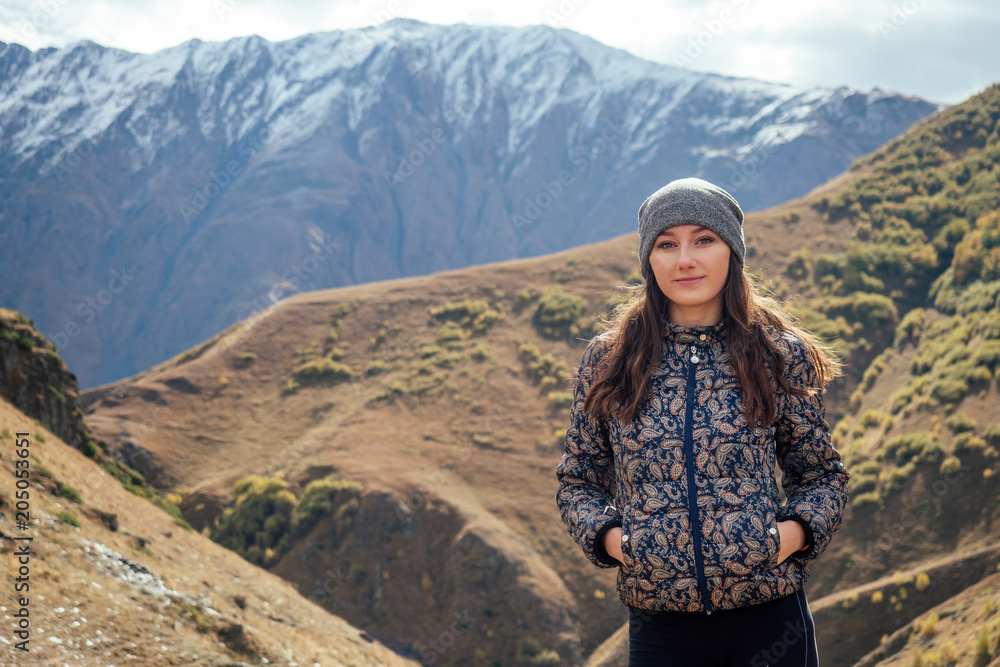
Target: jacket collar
x: 702, y: 336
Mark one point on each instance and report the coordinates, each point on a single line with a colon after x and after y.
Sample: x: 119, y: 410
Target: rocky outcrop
x: 36, y: 380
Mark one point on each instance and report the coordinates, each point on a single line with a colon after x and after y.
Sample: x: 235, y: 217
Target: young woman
x: 681, y: 410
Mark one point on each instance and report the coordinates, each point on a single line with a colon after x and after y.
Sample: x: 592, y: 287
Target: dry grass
x: 82, y: 615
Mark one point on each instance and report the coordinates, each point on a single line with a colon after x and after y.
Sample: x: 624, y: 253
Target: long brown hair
x: 635, y: 335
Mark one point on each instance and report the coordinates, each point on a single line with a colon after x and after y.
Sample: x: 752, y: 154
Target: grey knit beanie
x: 690, y: 201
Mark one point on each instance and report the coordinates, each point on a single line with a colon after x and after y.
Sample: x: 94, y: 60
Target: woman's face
x: 691, y: 264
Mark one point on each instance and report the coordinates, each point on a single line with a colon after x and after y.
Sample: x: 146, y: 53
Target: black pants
x: 778, y: 633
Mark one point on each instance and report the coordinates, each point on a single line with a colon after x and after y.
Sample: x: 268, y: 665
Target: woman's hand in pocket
x: 792, y: 538
x: 613, y: 544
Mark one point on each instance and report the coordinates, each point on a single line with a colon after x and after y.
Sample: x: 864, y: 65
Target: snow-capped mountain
x: 148, y: 201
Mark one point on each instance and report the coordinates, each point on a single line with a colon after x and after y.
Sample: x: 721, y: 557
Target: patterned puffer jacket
x: 692, y: 485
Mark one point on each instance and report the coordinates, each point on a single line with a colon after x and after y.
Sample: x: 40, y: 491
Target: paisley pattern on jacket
x: 692, y: 483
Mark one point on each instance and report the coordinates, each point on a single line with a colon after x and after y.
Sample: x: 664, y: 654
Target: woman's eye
x: 665, y: 244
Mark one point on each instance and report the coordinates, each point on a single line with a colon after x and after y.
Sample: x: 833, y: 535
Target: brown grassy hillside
x: 963, y: 631
x: 128, y: 585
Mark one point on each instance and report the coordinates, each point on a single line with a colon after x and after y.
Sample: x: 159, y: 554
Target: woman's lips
x: 689, y: 281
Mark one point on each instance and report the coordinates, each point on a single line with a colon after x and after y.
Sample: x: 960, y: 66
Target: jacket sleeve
x: 813, y: 476
x: 586, y: 474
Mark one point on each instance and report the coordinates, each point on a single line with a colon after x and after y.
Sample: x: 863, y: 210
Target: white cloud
x: 941, y: 51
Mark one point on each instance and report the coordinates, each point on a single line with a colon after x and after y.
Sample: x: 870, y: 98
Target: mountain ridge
x: 218, y: 171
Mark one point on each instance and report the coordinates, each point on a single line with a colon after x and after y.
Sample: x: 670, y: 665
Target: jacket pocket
x: 743, y: 543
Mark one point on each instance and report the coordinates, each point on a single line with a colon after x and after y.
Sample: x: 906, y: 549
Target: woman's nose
x: 686, y: 257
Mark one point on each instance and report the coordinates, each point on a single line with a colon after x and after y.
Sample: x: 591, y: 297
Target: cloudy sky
x: 942, y: 51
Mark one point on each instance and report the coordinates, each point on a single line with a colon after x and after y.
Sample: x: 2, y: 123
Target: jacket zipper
x: 692, y: 489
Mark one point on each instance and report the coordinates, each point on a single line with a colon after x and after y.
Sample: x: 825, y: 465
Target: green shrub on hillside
x: 561, y: 314
x: 954, y: 357
x: 992, y: 435
x: 853, y: 453
x: 910, y: 328
x: 867, y: 498
x: 977, y: 296
x: 525, y: 297
x: 863, y: 483
x: 423, y: 378
x: 264, y: 516
x: 244, y: 360
x: 475, y: 315
x: 447, y: 359
x: 961, y: 422
x: 385, y: 330
x: 970, y: 444
x: 133, y: 482
x: 869, y: 467
x: 530, y: 652
x: 895, y: 478
x: 319, y: 499
x: 874, y: 369
x: 977, y: 254
x: 544, y: 369
x: 449, y: 331
x: 375, y: 367
x: 949, y: 390
x: 902, y: 398
x: 876, y: 419
x: 892, y: 264
x: 463, y: 312
x: 254, y: 524
x: 950, y: 465
x: 918, y: 447
x: 987, y: 355
x: 485, y: 320
x: 71, y: 494
x: 972, y: 281
x: 839, y: 434
x: 323, y: 370
x: 869, y: 311
x: 66, y: 517
x: 799, y: 265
